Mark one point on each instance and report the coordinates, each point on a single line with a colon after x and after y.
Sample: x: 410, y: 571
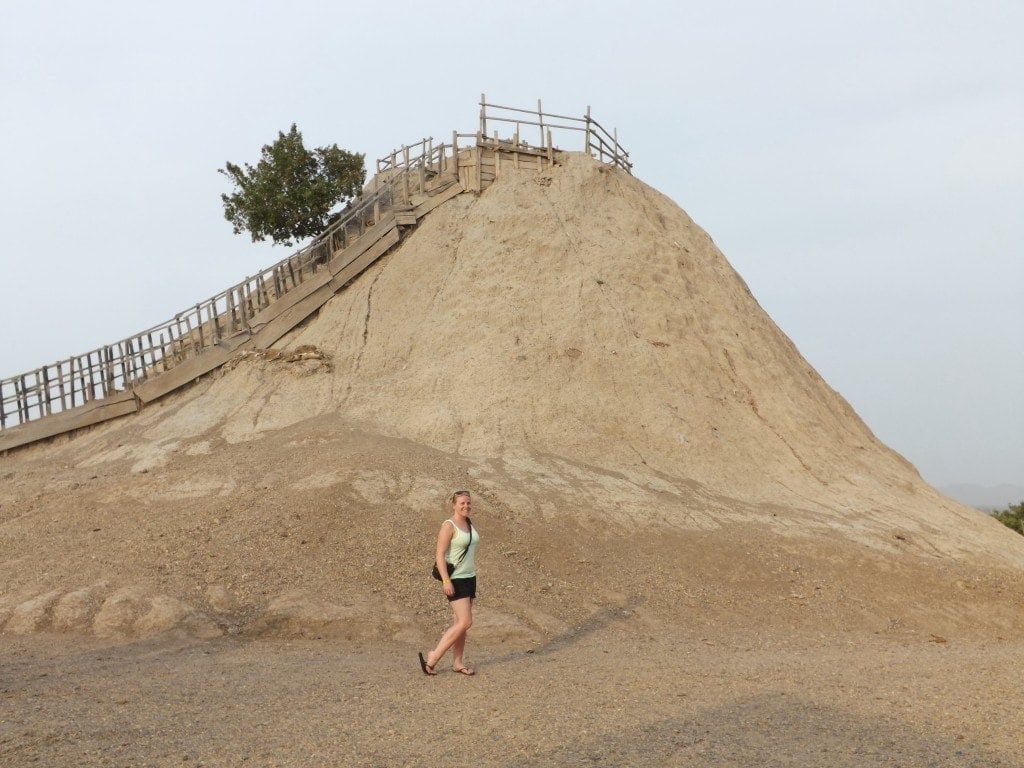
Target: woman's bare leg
x: 459, y: 647
x: 456, y: 633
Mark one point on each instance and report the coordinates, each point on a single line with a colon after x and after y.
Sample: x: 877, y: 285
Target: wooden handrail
x: 406, y: 173
x: 114, y: 368
x: 597, y: 141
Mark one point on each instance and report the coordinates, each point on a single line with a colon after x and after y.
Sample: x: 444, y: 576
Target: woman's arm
x: 444, y: 538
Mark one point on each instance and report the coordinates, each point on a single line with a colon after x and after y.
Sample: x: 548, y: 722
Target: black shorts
x: 463, y: 588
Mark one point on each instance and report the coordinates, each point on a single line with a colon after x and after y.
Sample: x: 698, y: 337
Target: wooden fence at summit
x: 117, y: 379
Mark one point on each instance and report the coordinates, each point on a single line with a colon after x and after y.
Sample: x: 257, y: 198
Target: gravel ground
x: 606, y: 697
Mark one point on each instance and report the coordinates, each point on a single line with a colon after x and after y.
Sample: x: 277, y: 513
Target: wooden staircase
x: 121, y: 378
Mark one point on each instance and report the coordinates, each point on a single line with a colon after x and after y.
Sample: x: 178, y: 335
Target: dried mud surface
x: 713, y: 649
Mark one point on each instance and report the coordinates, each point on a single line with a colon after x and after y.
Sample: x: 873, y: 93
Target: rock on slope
x: 571, y: 346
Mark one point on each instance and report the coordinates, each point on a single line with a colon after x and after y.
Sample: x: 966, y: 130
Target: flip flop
x: 464, y: 671
x: 427, y: 669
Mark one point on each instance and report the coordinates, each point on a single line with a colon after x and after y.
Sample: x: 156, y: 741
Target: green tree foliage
x: 289, y: 195
x: 1013, y: 517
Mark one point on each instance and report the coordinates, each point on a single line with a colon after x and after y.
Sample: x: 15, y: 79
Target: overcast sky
x: 860, y: 164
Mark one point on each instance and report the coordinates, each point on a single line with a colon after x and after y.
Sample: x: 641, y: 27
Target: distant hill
x: 985, y: 497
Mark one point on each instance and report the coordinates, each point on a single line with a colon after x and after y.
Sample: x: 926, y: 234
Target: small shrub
x: 1012, y: 517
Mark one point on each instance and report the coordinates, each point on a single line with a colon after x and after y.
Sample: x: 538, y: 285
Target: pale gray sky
x: 861, y: 165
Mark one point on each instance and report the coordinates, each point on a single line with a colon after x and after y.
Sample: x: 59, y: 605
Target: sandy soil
x: 720, y: 650
x: 693, y: 551
x: 609, y: 694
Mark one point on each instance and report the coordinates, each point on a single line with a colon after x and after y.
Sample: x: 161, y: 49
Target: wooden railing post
x: 586, y: 132
x: 405, y: 175
x: 92, y: 376
x: 19, y: 394
x: 482, y: 128
x: 540, y: 122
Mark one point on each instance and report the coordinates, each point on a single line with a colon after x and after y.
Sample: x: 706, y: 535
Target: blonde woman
x: 455, y: 558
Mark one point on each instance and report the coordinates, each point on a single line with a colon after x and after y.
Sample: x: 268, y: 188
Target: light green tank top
x: 462, y: 541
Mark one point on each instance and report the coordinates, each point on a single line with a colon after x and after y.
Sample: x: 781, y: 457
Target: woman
x: 456, y: 547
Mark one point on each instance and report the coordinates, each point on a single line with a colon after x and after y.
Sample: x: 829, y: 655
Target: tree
x: 289, y: 195
x: 1013, y: 517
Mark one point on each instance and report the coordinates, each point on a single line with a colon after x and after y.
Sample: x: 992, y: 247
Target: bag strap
x: 463, y: 555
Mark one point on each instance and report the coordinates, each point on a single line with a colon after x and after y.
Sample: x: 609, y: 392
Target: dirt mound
x: 639, y: 435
